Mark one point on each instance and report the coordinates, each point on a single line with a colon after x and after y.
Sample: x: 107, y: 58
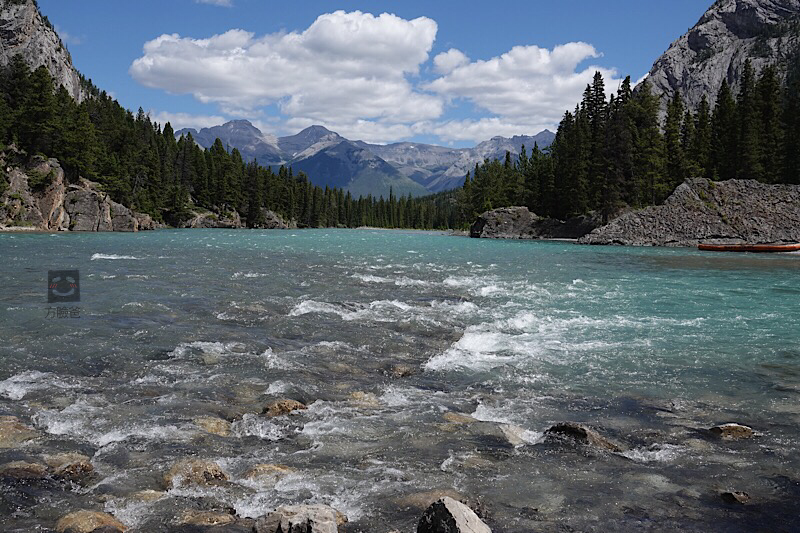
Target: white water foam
x: 95, y: 257
x: 661, y: 453
x: 18, y: 386
x: 256, y: 426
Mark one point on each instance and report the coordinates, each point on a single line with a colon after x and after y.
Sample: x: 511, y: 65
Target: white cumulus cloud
x: 178, y: 121
x: 446, y: 62
x: 345, y: 68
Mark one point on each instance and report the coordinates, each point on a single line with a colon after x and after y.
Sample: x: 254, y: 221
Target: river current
x: 388, y: 337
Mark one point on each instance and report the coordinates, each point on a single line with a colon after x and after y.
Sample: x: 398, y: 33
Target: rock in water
x: 449, y: 516
x: 735, y: 497
x: 733, y: 431
x: 301, y: 519
x: 725, y: 212
x: 87, y: 522
x: 214, y: 425
x: 583, y: 435
x: 70, y: 466
x: 13, y: 432
x: 282, y: 407
x: 520, y: 223
x: 23, y: 470
x: 195, y: 472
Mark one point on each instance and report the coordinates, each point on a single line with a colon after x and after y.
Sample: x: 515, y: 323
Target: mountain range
x: 363, y: 168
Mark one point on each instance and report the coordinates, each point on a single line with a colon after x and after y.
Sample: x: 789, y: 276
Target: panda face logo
x: 63, y: 286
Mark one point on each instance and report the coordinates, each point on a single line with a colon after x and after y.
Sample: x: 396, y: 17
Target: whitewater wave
x: 112, y: 257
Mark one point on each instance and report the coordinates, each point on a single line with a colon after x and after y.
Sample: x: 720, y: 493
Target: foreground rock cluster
x: 704, y: 211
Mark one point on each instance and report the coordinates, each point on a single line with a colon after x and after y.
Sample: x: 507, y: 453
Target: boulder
x: 122, y: 218
x: 212, y: 220
x: 23, y: 470
x: 265, y: 471
x: 282, y: 407
x: 87, y: 522
x: 314, y: 518
x: 70, y: 466
x: 195, y: 472
x: 14, y: 433
x: 216, y: 426
x: 735, y: 497
x: 88, y: 209
x: 520, y: 223
x: 583, y: 435
x: 450, y: 516
x: 272, y: 220
x: 206, y: 518
x: 703, y: 211
x: 732, y: 431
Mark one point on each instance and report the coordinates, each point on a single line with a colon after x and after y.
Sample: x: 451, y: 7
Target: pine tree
x: 724, y: 135
x: 749, y: 163
x: 676, y: 161
x: 700, y: 149
x: 768, y: 97
x: 36, y: 122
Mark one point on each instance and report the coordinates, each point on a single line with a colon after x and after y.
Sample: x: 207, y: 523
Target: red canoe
x: 750, y: 247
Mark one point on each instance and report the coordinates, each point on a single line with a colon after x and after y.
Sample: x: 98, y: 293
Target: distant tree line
x: 611, y: 153
x: 141, y: 165
x: 608, y: 153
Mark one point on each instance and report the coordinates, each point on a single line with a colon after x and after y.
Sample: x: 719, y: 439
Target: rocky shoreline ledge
x: 699, y: 211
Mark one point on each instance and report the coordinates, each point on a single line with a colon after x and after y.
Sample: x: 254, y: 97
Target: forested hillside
x: 611, y: 153
x: 142, y: 165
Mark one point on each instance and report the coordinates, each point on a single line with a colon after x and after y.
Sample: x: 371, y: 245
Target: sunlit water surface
x: 649, y: 346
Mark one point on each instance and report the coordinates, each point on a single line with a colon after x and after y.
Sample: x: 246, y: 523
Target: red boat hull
x: 758, y: 248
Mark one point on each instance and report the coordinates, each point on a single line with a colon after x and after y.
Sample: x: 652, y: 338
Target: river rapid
x: 390, y: 338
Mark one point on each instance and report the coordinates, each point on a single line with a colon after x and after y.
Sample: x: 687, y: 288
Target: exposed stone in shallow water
x: 13, y: 432
x: 205, y: 518
x: 282, y: 407
x: 213, y: 425
x: 23, y: 470
x: 583, y: 435
x: 267, y: 471
x: 315, y: 518
x: 87, y: 522
x: 70, y: 466
x: 733, y: 431
x: 735, y: 497
x: 195, y: 472
x: 450, y: 516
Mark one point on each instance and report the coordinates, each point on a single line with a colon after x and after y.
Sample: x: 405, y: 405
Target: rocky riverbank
x: 700, y: 210
x: 36, y: 196
x: 520, y: 223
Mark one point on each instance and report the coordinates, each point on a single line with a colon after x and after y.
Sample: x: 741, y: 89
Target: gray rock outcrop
x: 725, y: 212
x: 450, y: 516
x: 212, y: 220
x: 520, y: 223
x: 582, y: 435
x: 38, y: 197
x: 315, y: 518
x: 716, y: 48
x: 24, y: 31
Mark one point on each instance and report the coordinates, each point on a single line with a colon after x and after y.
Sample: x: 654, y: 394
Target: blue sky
x: 444, y: 72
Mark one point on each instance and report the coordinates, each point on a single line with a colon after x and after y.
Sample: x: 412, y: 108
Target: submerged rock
x: 282, y: 407
x: 23, y: 470
x: 87, y: 522
x: 735, y: 497
x: 205, y: 518
x: 214, y: 425
x: 315, y: 518
x: 450, y: 516
x: 733, y: 431
x: 70, y: 466
x: 583, y: 435
x: 267, y: 471
x: 14, y: 433
x: 195, y: 472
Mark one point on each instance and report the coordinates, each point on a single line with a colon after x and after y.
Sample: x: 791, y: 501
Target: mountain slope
x: 765, y: 31
x: 24, y: 31
x: 239, y: 134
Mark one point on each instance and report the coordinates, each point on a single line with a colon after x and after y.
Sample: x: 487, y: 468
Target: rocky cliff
x: 36, y: 196
x: 725, y: 212
x: 520, y: 223
x: 24, y: 31
x: 765, y: 31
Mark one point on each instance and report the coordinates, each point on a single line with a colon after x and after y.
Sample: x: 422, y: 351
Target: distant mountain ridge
x: 360, y: 167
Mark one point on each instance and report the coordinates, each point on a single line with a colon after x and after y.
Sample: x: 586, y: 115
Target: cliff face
x: 725, y: 212
x: 520, y: 223
x: 24, y: 31
x: 36, y: 196
x: 729, y: 33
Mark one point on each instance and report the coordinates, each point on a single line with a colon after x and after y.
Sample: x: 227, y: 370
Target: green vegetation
x: 608, y: 153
